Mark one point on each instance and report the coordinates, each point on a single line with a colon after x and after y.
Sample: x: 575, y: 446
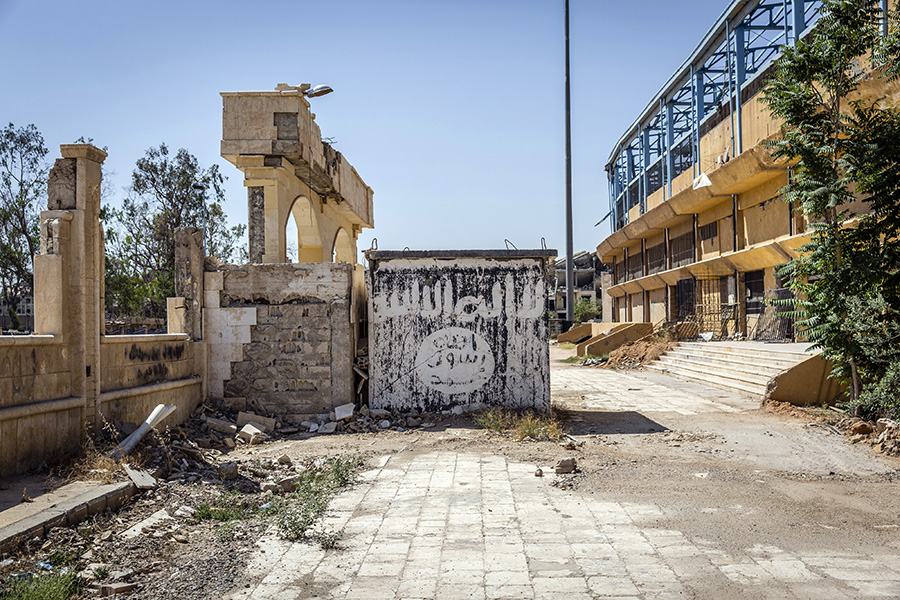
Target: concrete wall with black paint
x: 459, y: 330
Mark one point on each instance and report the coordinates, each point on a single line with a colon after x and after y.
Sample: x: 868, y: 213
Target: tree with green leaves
x: 844, y: 153
x: 167, y: 192
x: 23, y: 181
x: 585, y: 310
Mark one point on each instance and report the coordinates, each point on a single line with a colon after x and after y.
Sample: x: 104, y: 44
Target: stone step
x: 723, y: 360
x: 696, y: 376
x: 775, y: 351
x: 746, y: 373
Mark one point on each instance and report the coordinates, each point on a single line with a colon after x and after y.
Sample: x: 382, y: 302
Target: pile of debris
x: 884, y: 435
x: 219, y: 427
x: 637, y: 354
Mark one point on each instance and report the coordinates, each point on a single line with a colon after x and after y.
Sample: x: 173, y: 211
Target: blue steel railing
x: 664, y: 142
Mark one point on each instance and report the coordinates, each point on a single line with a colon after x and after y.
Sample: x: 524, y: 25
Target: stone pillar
x: 606, y: 301
x: 256, y: 223
x: 69, y: 271
x: 189, y: 259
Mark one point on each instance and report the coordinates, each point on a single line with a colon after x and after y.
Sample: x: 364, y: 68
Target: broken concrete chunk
x: 565, y: 465
x: 184, y: 512
x: 364, y: 411
x: 344, y: 411
x: 288, y: 484
x: 252, y: 434
x: 328, y: 427
x: 141, y: 478
x: 228, y: 471
x: 116, y: 589
x: 266, y: 424
x: 384, y: 424
x: 221, y: 426
x: 379, y: 412
x: 284, y: 459
x: 229, y: 442
x: 269, y: 486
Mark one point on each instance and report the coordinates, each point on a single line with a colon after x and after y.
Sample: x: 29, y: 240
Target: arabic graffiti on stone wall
x: 459, y: 333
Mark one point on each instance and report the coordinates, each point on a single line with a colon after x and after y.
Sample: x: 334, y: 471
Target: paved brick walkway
x: 453, y: 525
x: 645, y: 392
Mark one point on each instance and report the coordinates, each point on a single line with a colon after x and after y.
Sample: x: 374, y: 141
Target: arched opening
x: 342, y: 250
x: 302, y: 240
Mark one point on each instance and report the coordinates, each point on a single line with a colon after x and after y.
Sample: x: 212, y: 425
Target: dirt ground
x: 740, y: 476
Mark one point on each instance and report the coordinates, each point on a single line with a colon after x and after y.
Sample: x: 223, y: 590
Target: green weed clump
x: 232, y: 506
x: 42, y: 587
x: 521, y: 425
x: 297, y: 513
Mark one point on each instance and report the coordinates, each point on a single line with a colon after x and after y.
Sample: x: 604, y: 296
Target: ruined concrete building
x: 284, y: 336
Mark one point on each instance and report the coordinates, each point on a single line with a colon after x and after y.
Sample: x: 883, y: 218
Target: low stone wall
x: 39, y: 420
x: 133, y: 360
x: 33, y: 368
x: 281, y: 336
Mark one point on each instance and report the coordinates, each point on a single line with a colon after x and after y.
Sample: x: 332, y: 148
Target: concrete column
x: 69, y: 271
x: 189, y: 258
x: 275, y: 196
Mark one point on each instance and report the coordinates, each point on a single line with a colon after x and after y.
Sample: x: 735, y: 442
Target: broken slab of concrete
x: 252, y: 434
x: 265, y: 423
x: 221, y: 425
x: 141, y: 478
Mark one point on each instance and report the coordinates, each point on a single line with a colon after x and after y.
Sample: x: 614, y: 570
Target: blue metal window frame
x: 741, y: 45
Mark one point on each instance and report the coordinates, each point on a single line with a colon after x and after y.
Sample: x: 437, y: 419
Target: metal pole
x: 570, y: 263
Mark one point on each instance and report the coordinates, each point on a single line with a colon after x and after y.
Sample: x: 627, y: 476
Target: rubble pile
x: 884, y: 435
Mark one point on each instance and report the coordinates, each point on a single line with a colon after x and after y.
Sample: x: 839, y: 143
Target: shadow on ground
x: 580, y: 422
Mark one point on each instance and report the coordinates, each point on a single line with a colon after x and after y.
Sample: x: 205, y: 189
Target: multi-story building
x: 587, y: 273
x: 699, y: 225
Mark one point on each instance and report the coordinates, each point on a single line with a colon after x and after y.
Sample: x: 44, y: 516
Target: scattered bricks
x: 344, y: 411
x: 228, y: 471
x: 115, y: 589
x: 565, y: 465
x: 252, y: 434
x: 221, y: 426
x: 328, y: 427
x: 284, y: 459
x: 861, y: 428
x: 265, y: 423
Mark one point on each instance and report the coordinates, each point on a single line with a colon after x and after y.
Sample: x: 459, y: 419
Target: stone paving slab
x: 67, y: 505
x: 463, y: 525
x: 616, y: 391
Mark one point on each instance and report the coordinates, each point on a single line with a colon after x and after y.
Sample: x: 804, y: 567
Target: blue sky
x: 451, y: 111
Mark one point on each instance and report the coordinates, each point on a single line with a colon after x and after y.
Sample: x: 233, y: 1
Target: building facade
x: 699, y: 225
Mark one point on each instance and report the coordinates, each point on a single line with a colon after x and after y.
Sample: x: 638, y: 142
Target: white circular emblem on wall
x: 454, y: 360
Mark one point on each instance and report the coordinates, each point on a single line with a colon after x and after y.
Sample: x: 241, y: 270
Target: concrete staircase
x: 744, y: 367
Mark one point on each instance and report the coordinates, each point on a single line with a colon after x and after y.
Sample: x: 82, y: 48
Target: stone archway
x: 308, y: 238
x: 342, y: 249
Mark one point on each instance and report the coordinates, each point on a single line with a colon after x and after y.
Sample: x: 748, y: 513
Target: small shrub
x: 328, y: 540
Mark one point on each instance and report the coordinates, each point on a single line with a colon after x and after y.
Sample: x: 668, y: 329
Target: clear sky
x: 452, y: 111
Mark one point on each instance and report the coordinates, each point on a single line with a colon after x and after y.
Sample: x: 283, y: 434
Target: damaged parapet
x: 290, y: 172
x: 459, y: 330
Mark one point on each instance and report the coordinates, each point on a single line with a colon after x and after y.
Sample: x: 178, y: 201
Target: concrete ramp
x: 585, y: 331
x: 604, y: 343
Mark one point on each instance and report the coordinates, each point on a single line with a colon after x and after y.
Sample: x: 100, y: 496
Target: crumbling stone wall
x: 280, y: 336
x: 454, y: 331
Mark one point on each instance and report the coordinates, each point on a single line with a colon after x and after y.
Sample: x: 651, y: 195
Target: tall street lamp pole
x: 570, y: 263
